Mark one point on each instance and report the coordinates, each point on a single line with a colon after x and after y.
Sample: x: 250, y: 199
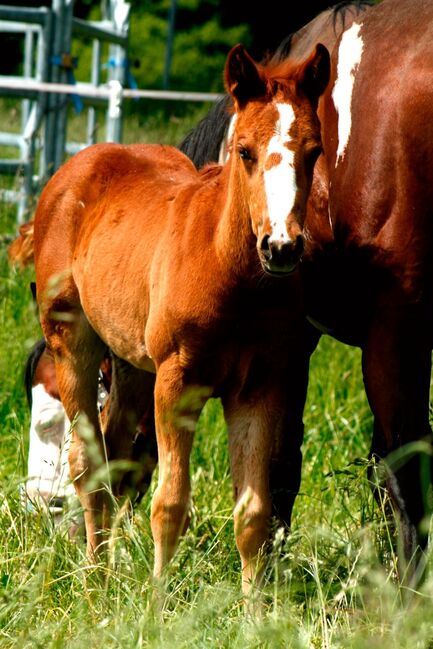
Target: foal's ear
x: 242, y: 76
x: 313, y: 76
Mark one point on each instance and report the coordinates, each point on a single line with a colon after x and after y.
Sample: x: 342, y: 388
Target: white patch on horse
x: 280, y: 180
x: 349, y: 58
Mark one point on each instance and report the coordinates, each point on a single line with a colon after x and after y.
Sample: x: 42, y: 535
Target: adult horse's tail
x: 20, y: 251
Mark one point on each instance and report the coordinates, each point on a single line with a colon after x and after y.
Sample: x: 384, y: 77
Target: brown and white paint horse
x: 173, y: 269
x: 368, y: 266
x: 366, y: 272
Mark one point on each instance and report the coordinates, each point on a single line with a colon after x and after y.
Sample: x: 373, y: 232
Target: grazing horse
x: 48, y: 481
x: 366, y: 271
x: 193, y: 275
x: 47, y: 461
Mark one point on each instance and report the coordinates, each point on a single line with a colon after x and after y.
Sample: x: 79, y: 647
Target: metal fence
x: 47, y: 40
x: 47, y: 86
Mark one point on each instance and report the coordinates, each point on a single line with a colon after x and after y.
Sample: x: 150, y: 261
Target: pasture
x: 331, y: 583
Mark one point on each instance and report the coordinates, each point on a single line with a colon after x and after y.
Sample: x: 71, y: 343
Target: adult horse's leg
x: 176, y: 414
x: 78, y: 352
x: 129, y: 429
x: 286, y: 458
x: 397, y: 367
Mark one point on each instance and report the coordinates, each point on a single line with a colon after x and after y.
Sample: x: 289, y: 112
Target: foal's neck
x: 235, y: 241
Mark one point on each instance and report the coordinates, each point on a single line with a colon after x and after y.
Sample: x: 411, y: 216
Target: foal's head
x: 276, y: 141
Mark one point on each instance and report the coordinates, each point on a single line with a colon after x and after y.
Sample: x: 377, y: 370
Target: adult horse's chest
x: 347, y: 279
x: 338, y: 293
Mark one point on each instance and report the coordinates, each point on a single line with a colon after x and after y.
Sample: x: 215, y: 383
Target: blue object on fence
x: 68, y: 63
x: 123, y: 63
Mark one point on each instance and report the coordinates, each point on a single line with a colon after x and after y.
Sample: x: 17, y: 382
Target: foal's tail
x: 20, y: 251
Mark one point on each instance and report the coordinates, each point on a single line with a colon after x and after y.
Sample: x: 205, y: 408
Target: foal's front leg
x: 176, y: 414
x: 250, y: 443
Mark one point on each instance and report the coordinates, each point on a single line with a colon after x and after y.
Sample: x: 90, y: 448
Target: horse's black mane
x: 339, y: 12
x: 340, y: 9
x: 202, y: 143
x: 30, y: 368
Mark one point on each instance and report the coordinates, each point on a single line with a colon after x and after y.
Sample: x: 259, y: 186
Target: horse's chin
x: 283, y: 271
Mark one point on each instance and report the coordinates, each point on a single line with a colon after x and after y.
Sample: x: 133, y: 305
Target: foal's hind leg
x: 78, y: 352
x: 397, y: 367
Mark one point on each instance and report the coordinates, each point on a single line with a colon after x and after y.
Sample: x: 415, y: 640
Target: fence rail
x: 48, y: 34
x: 47, y: 86
x: 31, y: 88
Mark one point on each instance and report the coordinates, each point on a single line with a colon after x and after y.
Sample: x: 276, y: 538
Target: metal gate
x: 48, y: 36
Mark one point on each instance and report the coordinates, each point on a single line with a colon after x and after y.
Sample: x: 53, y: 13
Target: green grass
x: 331, y: 583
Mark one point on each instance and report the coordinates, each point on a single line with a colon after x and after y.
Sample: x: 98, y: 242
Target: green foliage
x: 200, y: 48
x: 199, y: 52
x: 147, y: 46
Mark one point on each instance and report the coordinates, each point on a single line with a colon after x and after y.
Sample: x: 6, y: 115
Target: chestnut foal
x: 189, y: 274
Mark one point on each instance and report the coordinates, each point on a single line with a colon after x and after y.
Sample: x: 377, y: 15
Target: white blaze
x: 280, y: 180
x: 349, y: 57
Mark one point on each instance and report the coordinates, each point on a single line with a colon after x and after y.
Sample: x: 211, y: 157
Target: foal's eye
x: 245, y: 154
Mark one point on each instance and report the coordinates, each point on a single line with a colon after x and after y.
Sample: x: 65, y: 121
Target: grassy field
x: 334, y: 587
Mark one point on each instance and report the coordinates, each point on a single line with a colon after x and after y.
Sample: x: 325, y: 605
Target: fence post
x: 48, y: 35
x: 117, y: 65
x: 58, y: 104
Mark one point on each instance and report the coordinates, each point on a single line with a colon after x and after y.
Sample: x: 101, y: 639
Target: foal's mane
x: 278, y: 71
x: 210, y: 170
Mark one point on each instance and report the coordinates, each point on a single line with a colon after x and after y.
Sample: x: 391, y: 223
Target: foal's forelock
x: 279, y: 174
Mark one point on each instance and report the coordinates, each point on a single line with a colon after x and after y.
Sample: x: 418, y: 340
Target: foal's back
x: 109, y: 227
x: 99, y: 188
x: 100, y: 202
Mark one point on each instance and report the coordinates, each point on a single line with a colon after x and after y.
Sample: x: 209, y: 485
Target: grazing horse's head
x: 276, y: 142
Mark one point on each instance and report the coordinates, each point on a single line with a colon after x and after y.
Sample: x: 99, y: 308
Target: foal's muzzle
x: 281, y: 257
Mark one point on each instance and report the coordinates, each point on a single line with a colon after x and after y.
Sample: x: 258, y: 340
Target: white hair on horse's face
x: 280, y: 175
x: 349, y: 58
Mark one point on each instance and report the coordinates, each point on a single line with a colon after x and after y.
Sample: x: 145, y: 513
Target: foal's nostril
x: 265, y: 247
x: 281, y: 256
